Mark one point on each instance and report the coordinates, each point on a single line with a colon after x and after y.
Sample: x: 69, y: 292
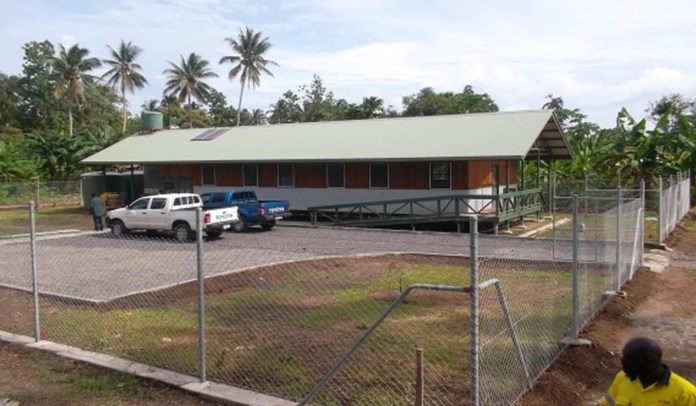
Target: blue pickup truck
x: 251, y: 211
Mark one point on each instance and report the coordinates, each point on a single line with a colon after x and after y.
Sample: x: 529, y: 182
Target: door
x: 136, y: 215
x: 156, y: 217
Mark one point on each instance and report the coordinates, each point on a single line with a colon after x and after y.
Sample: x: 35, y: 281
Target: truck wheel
x: 213, y: 233
x: 118, y: 229
x: 268, y: 226
x: 240, y: 227
x: 182, y: 232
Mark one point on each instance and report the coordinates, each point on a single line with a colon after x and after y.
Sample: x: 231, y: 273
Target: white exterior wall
x: 302, y: 198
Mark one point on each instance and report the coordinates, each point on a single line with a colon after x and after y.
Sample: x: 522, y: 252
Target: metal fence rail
x: 327, y: 316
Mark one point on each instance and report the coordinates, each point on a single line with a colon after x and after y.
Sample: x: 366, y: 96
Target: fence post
x: 642, y: 221
x: 419, y: 377
x: 672, y: 207
x: 201, y: 296
x: 552, y: 210
x: 576, y: 282
x: 34, y: 274
x: 37, y: 200
x: 617, y: 287
x: 585, y: 200
x: 679, y: 200
x: 574, y: 338
x: 473, y: 250
x: 659, y: 210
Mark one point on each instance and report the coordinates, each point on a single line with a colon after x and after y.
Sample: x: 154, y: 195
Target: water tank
x: 152, y: 120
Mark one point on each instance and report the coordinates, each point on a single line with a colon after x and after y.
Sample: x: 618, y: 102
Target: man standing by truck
x: 97, y: 206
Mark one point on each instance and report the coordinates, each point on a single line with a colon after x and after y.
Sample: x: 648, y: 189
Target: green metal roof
x: 500, y: 135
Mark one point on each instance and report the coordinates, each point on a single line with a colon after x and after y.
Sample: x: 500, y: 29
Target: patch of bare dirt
x: 658, y: 305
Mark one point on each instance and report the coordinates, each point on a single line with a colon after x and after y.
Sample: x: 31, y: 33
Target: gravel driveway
x: 97, y: 267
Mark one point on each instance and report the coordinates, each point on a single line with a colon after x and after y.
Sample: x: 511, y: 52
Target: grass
x: 296, y: 321
x: 16, y: 220
x: 111, y: 386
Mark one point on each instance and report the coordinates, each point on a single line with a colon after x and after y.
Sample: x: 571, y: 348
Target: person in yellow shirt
x: 646, y: 381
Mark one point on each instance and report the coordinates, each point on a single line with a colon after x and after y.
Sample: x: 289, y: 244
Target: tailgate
x: 225, y: 215
x: 276, y: 209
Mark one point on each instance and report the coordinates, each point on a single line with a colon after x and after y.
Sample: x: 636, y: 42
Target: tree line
x: 57, y: 112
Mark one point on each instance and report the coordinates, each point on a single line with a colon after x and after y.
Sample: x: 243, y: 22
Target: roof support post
x: 538, y: 169
x: 103, y: 170
x: 507, y: 176
x: 549, y: 178
x: 522, y: 162
x: 132, y: 184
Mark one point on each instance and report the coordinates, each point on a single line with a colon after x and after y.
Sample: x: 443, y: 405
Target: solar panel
x: 210, y: 134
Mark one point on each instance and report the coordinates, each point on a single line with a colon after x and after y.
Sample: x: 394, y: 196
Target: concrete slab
x: 656, y: 260
x: 237, y: 396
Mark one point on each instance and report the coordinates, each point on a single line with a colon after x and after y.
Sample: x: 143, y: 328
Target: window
x: 251, y: 175
x: 158, y: 203
x: 140, y: 204
x: 286, y: 176
x: 379, y: 175
x: 335, y: 175
x: 440, y: 175
x: 218, y: 198
x: 208, y: 174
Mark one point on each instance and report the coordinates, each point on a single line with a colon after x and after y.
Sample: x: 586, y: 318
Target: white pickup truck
x: 170, y: 212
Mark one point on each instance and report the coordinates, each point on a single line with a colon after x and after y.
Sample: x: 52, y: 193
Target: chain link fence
x: 673, y: 201
x: 331, y: 316
x: 43, y: 193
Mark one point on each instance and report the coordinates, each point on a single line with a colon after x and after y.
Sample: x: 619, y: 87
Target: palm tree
x: 150, y: 105
x: 124, y: 72
x: 258, y: 117
x: 372, y: 107
x: 186, y: 80
x: 250, y: 61
x: 72, y: 67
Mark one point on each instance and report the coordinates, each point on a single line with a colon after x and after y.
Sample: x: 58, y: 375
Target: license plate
x: 225, y: 226
x: 279, y: 218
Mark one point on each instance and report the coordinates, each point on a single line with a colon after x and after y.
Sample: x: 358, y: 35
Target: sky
x: 598, y: 55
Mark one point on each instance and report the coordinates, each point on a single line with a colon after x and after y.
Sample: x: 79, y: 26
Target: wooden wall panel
x: 409, y: 175
x: 480, y: 173
x: 310, y: 175
x: 268, y: 175
x: 229, y: 175
x: 402, y: 175
x: 192, y: 171
x: 459, y: 175
x: 357, y: 175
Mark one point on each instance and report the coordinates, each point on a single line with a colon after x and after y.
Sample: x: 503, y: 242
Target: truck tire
x: 268, y: 226
x: 118, y: 229
x: 182, y: 232
x: 213, y: 233
x: 240, y: 227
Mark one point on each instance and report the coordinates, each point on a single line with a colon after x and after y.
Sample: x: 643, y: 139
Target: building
x: 340, y: 162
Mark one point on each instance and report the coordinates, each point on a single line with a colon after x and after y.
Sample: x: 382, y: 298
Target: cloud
x: 597, y: 55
